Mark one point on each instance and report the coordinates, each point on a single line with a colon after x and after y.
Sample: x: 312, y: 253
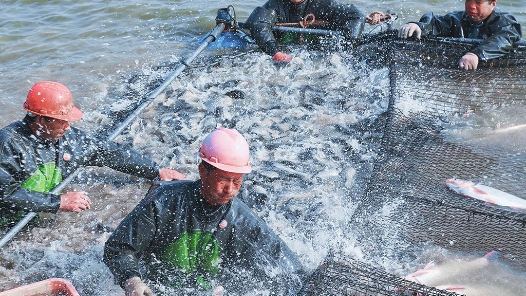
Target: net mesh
x: 358, y: 278
x: 417, y: 158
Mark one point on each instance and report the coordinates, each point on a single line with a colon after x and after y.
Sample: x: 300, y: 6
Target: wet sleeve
x: 505, y: 33
x: 259, y: 248
x: 438, y: 25
x: 119, y: 157
x: 13, y: 196
x: 129, y: 241
x: 260, y: 23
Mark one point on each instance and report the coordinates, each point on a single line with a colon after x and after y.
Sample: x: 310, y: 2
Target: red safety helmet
x: 52, y: 99
x: 227, y: 150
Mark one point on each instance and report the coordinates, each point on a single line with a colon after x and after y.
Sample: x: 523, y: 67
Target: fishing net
x: 406, y: 200
x: 358, y: 278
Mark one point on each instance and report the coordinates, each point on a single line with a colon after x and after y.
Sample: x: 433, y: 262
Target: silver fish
x: 485, y: 193
x: 433, y: 275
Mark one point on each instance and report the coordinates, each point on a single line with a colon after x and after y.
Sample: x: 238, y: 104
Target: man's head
x: 46, y: 127
x: 296, y: 1
x: 225, y: 159
x: 50, y: 107
x: 479, y: 10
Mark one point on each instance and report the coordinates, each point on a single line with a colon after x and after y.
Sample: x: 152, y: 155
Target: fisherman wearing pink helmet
x: 37, y: 152
x: 196, y: 235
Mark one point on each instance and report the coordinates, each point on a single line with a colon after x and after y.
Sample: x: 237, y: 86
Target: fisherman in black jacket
x: 317, y: 14
x: 197, y: 235
x: 480, y: 20
x: 37, y: 152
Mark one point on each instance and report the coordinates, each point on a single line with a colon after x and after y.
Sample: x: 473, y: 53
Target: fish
x: 485, y: 193
x: 433, y: 275
x: 510, y: 128
x: 461, y: 289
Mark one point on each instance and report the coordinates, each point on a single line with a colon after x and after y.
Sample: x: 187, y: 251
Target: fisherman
x: 191, y: 234
x: 319, y: 14
x: 480, y: 20
x: 38, y: 151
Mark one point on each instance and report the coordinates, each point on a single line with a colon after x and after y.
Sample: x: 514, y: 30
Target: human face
x: 50, y: 128
x: 218, y: 187
x: 479, y: 10
x: 296, y: 1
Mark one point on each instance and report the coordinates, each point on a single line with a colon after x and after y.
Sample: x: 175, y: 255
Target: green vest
x: 195, y: 251
x: 46, y: 177
x: 294, y: 38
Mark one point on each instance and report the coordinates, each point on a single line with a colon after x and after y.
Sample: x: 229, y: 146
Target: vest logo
x: 223, y: 224
x: 66, y: 156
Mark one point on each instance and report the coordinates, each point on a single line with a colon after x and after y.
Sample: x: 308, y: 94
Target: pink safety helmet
x: 52, y: 99
x: 227, y: 150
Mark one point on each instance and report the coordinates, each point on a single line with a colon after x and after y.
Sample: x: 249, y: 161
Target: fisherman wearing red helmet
x: 197, y: 235
x: 37, y: 152
x: 318, y: 14
x: 479, y: 20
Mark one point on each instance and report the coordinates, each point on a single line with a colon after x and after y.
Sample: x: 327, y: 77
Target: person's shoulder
x: 241, y: 210
x: 8, y: 133
x: 331, y: 2
x: 175, y: 194
x: 77, y: 132
x: 457, y: 14
x: 174, y: 189
x: 428, y: 16
x: 12, y: 127
x: 7, y: 130
x: 501, y: 16
x: 164, y: 194
x: 177, y: 185
x: 273, y: 4
x: 76, y: 136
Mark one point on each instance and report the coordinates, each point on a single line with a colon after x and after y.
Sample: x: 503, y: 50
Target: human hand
x: 169, y: 175
x: 136, y: 287
x: 469, y: 61
x: 408, y: 30
x: 281, y: 57
x: 75, y: 201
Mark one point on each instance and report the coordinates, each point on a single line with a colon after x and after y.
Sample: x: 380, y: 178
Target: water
x: 90, y: 45
x: 310, y: 173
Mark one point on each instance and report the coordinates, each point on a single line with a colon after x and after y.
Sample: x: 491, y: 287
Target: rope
x: 308, y: 20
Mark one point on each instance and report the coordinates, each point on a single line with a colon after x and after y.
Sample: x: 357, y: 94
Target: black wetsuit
x: 185, y: 242
x: 30, y: 167
x: 345, y: 18
x: 500, y: 31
